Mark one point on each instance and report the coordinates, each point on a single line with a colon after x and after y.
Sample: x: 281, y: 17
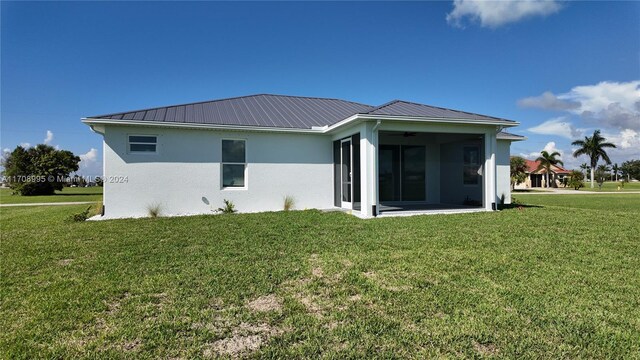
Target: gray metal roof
x: 262, y: 110
x: 503, y: 135
x: 405, y: 108
x: 283, y: 111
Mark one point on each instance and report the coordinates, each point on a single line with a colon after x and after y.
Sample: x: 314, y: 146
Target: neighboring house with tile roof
x: 325, y: 153
x: 536, y: 177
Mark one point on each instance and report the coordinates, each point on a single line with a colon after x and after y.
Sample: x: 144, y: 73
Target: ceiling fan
x: 405, y: 134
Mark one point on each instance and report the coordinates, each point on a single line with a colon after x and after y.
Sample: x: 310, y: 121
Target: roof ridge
x: 448, y: 109
x: 224, y: 99
x: 315, y: 97
x: 383, y: 105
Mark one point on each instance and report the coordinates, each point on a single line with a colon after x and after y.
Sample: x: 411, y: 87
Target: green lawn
x: 604, y: 202
x: 67, y: 194
x: 611, y: 186
x: 529, y: 282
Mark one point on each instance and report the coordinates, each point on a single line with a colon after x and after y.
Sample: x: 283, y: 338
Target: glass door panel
x: 389, y: 172
x: 345, y: 171
x: 413, y: 173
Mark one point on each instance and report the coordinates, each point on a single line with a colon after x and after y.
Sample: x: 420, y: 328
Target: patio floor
x: 425, y: 209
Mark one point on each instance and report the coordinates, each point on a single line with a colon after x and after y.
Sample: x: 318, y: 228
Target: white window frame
x: 245, y: 163
x: 477, y: 165
x: 129, y: 142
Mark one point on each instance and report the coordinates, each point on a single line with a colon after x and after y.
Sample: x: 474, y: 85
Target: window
x: 143, y: 144
x: 234, y: 163
x: 471, y: 165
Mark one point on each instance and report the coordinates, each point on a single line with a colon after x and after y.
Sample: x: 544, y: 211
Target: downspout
x: 374, y: 157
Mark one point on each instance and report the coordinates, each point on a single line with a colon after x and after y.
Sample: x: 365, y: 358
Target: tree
x: 99, y: 181
x: 616, y: 171
x: 593, y: 147
x: 518, y: 170
x: 601, y: 175
x: 38, y: 170
x: 584, y: 167
x: 575, y: 179
x: 631, y: 169
x: 546, y: 160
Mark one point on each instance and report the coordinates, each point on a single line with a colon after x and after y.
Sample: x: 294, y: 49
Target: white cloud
x: 49, y: 137
x: 606, y: 104
x: 549, y: 101
x: 89, y: 164
x: 599, y: 97
x: 627, y: 145
x: 565, y: 156
x: 25, y: 145
x: 550, y: 147
x: 629, y: 138
x: 557, y: 126
x: 90, y: 156
x: 496, y: 13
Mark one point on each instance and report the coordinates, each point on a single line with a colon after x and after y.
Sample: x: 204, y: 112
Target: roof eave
x: 97, y: 121
x: 500, y: 122
x: 513, y: 138
x: 318, y: 130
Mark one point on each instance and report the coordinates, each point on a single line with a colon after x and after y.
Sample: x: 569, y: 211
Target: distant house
x: 538, y: 178
x: 324, y: 153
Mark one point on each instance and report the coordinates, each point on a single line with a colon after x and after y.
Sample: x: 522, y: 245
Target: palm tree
x: 584, y: 167
x: 518, y: 170
x: 546, y: 160
x: 616, y: 170
x: 593, y: 147
x: 601, y: 174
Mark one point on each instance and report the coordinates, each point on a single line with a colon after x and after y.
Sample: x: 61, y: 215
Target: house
x: 537, y: 178
x: 324, y: 153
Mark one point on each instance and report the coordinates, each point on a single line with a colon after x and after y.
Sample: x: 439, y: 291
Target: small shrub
x: 154, y: 210
x: 289, y: 203
x: 79, y: 217
x: 575, y: 179
x: 229, y: 207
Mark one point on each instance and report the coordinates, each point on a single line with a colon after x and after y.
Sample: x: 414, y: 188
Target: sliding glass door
x: 401, y: 172
x: 413, y: 173
x: 345, y: 172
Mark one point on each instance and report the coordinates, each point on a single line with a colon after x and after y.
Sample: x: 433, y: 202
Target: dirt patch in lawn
x: 384, y: 283
x: 131, y: 345
x: 114, y: 306
x: 485, y: 349
x: 65, y: 262
x: 245, y: 338
x: 316, y: 270
x: 265, y: 303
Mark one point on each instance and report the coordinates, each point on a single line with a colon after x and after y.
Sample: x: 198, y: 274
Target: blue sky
x: 562, y: 69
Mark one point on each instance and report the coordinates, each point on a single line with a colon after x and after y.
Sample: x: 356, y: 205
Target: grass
x: 611, y: 186
x: 604, y: 202
x: 551, y: 281
x: 67, y: 194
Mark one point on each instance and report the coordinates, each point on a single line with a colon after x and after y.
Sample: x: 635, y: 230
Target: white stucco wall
x: 503, y: 169
x: 184, y: 177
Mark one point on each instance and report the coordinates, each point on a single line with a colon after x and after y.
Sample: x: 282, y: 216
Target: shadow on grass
x: 74, y: 194
x: 529, y: 191
x: 518, y: 206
